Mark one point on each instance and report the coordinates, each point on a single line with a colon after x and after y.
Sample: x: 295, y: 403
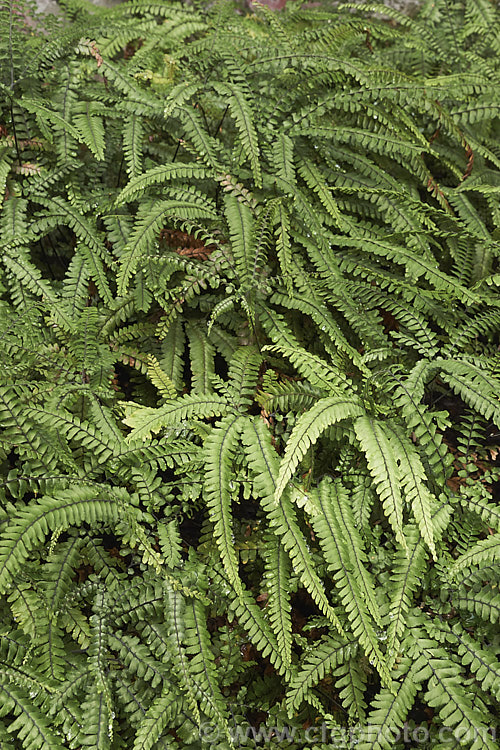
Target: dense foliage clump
x: 249, y: 394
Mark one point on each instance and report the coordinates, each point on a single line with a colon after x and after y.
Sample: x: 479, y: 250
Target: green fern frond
x: 316, y: 370
x: 485, y: 551
x: 173, y: 343
x: 59, y: 211
x: 415, y: 266
x: 160, y: 379
x: 313, y: 307
x: 90, y: 127
x: 284, y: 245
x: 478, y: 388
x: 149, y: 224
x: 249, y: 403
x: 484, y: 603
x: 202, y: 355
x: 243, y: 375
x: 318, y: 662
x: 70, y: 425
x: 97, y: 272
x: 29, y: 528
x: 351, y: 679
x: 327, y: 412
x: 407, y: 570
x: 284, y: 397
x: 342, y: 516
x: 391, y: 706
x: 75, y: 295
x: 489, y: 512
x: 241, y: 232
x: 137, y: 658
x: 276, y: 576
x: 30, y: 725
x: 481, y: 662
x: 207, y: 147
x: 241, y: 110
x: 179, y: 94
x: 220, y: 490
x: 44, y: 113
x: 408, y: 398
x: 250, y: 616
x: 202, y: 667
x: 133, y: 136
x: 375, y: 442
x: 282, y: 158
x: 30, y: 277
x: 145, y: 420
x: 447, y: 694
x: 263, y: 463
x: 413, y: 479
x: 315, y: 181
x: 165, y: 173
x: 97, y: 718
x: 352, y: 586
x: 161, y: 713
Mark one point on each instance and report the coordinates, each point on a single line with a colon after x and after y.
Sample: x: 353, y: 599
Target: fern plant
x: 249, y: 396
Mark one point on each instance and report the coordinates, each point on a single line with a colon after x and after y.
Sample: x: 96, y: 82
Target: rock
x: 51, y: 6
x: 405, y: 6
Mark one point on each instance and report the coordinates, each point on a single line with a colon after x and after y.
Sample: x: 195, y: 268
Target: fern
x: 352, y: 588
x: 161, y: 711
x: 390, y: 707
x: 32, y: 524
x: 383, y: 468
x: 220, y: 490
x: 202, y: 666
x: 249, y: 390
x: 146, y: 420
x: 133, y: 135
x: 278, y: 573
x: 29, y: 724
x: 326, y: 412
x: 319, y: 661
x: 282, y: 518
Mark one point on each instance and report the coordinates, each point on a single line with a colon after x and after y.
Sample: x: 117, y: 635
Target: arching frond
x: 309, y: 427
x: 221, y: 490
x: 382, y: 463
x: 30, y: 526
